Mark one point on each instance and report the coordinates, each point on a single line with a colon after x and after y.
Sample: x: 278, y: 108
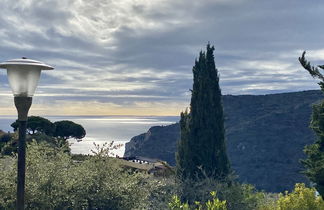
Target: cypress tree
x: 182, y: 155
x: 201, y: 148
x: 314, y: 163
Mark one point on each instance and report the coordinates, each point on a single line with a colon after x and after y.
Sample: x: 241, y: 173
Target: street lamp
x: 23, y: 75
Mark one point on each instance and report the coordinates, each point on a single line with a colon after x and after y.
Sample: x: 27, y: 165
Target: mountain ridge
x: 265, y: 136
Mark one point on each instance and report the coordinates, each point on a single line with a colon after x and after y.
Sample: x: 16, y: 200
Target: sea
x: 103, y: 129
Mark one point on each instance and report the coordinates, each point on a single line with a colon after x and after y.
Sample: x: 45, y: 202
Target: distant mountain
x: 265, y: 135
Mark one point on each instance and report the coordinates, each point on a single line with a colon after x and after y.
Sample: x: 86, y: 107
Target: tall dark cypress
x: 182, y: 156
x: 201, y: 149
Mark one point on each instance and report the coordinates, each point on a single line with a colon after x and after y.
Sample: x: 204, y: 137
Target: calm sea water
x: 101, y: 129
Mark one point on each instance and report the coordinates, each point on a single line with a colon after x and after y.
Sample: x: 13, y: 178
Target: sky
x: 135, y: 57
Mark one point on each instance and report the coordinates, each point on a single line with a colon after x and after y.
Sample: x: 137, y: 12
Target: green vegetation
x: 315, y: 152
x: 238, y: 196
x: 4, y: 139
x: 41, y: 129
x: 214, y: 204
x: 301, y: 198
x: 55, y: 181
x: 64, y: 129
x: 37, y: 124
x: 68, y: 129
x: 201, y: 149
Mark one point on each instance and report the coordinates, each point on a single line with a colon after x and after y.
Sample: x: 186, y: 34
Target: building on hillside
x: 149, y: 165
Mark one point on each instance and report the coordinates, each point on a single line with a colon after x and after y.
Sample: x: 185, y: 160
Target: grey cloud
x: 170, y: 39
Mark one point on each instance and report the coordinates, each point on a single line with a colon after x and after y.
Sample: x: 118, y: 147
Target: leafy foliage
x: 302, y: 198
x: 41, y: 129
x: 214, y: 204
x: 4, y: 139
x: 11, y: 146
x: 182, y: 154
x: 315, y: 153
x: 55, y: 181
x: 64, y: 129
x: 202, y: 143
x: 37, y: 124
x: 313, y: 71
x: 68, y: 129
x: 237, y: 196
x: 176, y: 204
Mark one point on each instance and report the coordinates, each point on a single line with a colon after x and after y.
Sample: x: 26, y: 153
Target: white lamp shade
x: 23, y: 80
x: 23, y: 75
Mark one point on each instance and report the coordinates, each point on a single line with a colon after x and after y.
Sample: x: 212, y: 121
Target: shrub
x: 214, y: 204
x: 237, y: 196
x: 245, y: 197
x: 302, y: 198
x: 4, y: 138
x: 55, y: 181
x: 7, y: 184
x: 11, y: 146
x: 160, y: 194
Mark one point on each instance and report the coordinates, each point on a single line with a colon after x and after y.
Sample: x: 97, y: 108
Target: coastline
x: 103, y: 129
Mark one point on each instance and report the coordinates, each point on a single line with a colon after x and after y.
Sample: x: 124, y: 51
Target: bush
x: 55, y: 181
x: 11, y: 146
x: 4, y: 138
x: 240, y: 197
x: 5, y: 146
x: 302, y: 198
x: 237, y: 196
x: 160, y: 195
x: 214, y: 204
x: 7, y: 184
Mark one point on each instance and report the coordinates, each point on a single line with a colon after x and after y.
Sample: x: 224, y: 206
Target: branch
x: 314, y: 71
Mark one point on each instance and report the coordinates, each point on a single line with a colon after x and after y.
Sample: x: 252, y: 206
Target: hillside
x: 265, y: 138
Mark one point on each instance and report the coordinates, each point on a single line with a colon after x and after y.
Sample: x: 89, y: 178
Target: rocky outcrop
x: 159, y: 140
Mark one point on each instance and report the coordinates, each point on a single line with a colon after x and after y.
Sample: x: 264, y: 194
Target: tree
x: 68, y: 129
x: 182, y: 156
x: 43, y: 130
x: 314, y: 163
x: 201, y: 149
x: 55, y: 181
x: 37, y: 124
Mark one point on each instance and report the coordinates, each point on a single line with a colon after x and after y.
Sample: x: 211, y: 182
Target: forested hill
x: 265, y: 138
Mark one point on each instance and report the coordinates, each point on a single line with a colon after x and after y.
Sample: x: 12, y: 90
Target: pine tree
x: 201, y: 149
x: 314, y: 163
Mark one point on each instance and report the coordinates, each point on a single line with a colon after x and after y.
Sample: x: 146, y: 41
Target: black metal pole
x: 22, y: 104
x: 21, y: 165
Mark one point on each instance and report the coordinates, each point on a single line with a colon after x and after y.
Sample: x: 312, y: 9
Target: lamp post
x: 23, y: 75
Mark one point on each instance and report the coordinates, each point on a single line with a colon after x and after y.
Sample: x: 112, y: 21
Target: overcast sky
x: 136, y: 56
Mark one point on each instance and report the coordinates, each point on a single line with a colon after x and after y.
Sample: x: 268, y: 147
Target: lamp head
x: 23, y: 75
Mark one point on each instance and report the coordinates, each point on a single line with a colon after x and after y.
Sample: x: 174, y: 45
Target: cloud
x: 123, y: 54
